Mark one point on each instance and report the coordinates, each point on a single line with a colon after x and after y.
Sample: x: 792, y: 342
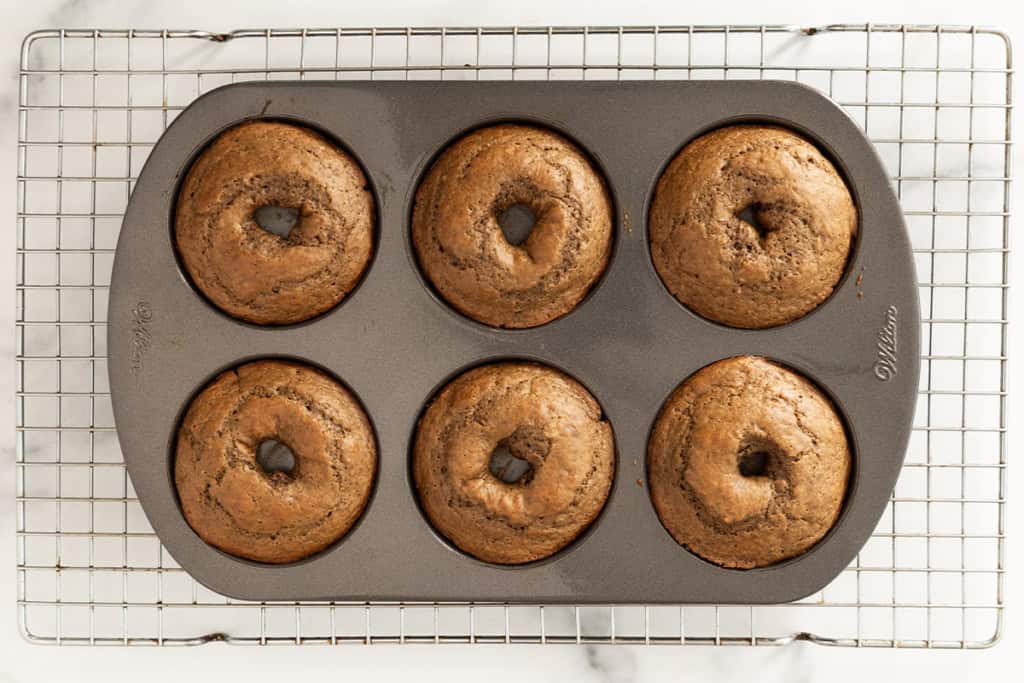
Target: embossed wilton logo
x: 885, y: 366
x: 142, y: 315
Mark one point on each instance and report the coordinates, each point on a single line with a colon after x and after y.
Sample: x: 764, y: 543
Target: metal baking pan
x: 394, y: 343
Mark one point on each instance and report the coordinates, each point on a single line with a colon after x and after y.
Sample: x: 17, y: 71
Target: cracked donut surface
x: 459, y: 242
x: 726, y: 415
x: 232, y: 503
x: 774, y: 263
x: 257, y: 275
x: 539, y: 415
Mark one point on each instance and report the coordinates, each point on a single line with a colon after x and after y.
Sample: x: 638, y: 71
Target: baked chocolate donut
x: 748, y: 463
x: 751, y: 226
x: 276, y: 516
x: 460, y: 244
x: 523, y: 412
x: 257, y: 275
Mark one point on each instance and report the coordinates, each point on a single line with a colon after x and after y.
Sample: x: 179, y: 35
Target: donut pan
x: 394, y: 342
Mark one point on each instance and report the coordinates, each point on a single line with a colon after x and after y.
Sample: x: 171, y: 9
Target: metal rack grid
x: 935, y: 100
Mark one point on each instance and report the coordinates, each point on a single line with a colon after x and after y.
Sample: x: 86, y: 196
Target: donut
x: 748, y: 463
x: 459, y: 242
x: 272, y: 515
x: 751, y: 226
x: 526, y: 412
x: 256, y: 275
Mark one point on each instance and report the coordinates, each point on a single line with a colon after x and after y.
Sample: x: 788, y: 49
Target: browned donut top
x: 743, y: 274
x: 460, y: 244
x: 539, y: 415
x: 748, y: 463
x: 254, y: 274
x: 237, y: 506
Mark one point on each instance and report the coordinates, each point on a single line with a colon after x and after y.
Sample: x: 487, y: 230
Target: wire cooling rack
x: 935, y: 100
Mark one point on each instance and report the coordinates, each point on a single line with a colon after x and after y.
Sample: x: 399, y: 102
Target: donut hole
x: 753, y: 463
x: 509, y: 468
x: 750, y: 215
x: 758, y: 456
x: 514, y: 458
x: 516, y: 221
x: 278, y: 220
x: 275, y: 457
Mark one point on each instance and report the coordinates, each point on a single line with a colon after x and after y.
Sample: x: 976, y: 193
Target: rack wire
x: 935, y: 100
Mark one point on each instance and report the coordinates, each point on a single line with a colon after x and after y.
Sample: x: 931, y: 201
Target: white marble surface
x: 22, y: 662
